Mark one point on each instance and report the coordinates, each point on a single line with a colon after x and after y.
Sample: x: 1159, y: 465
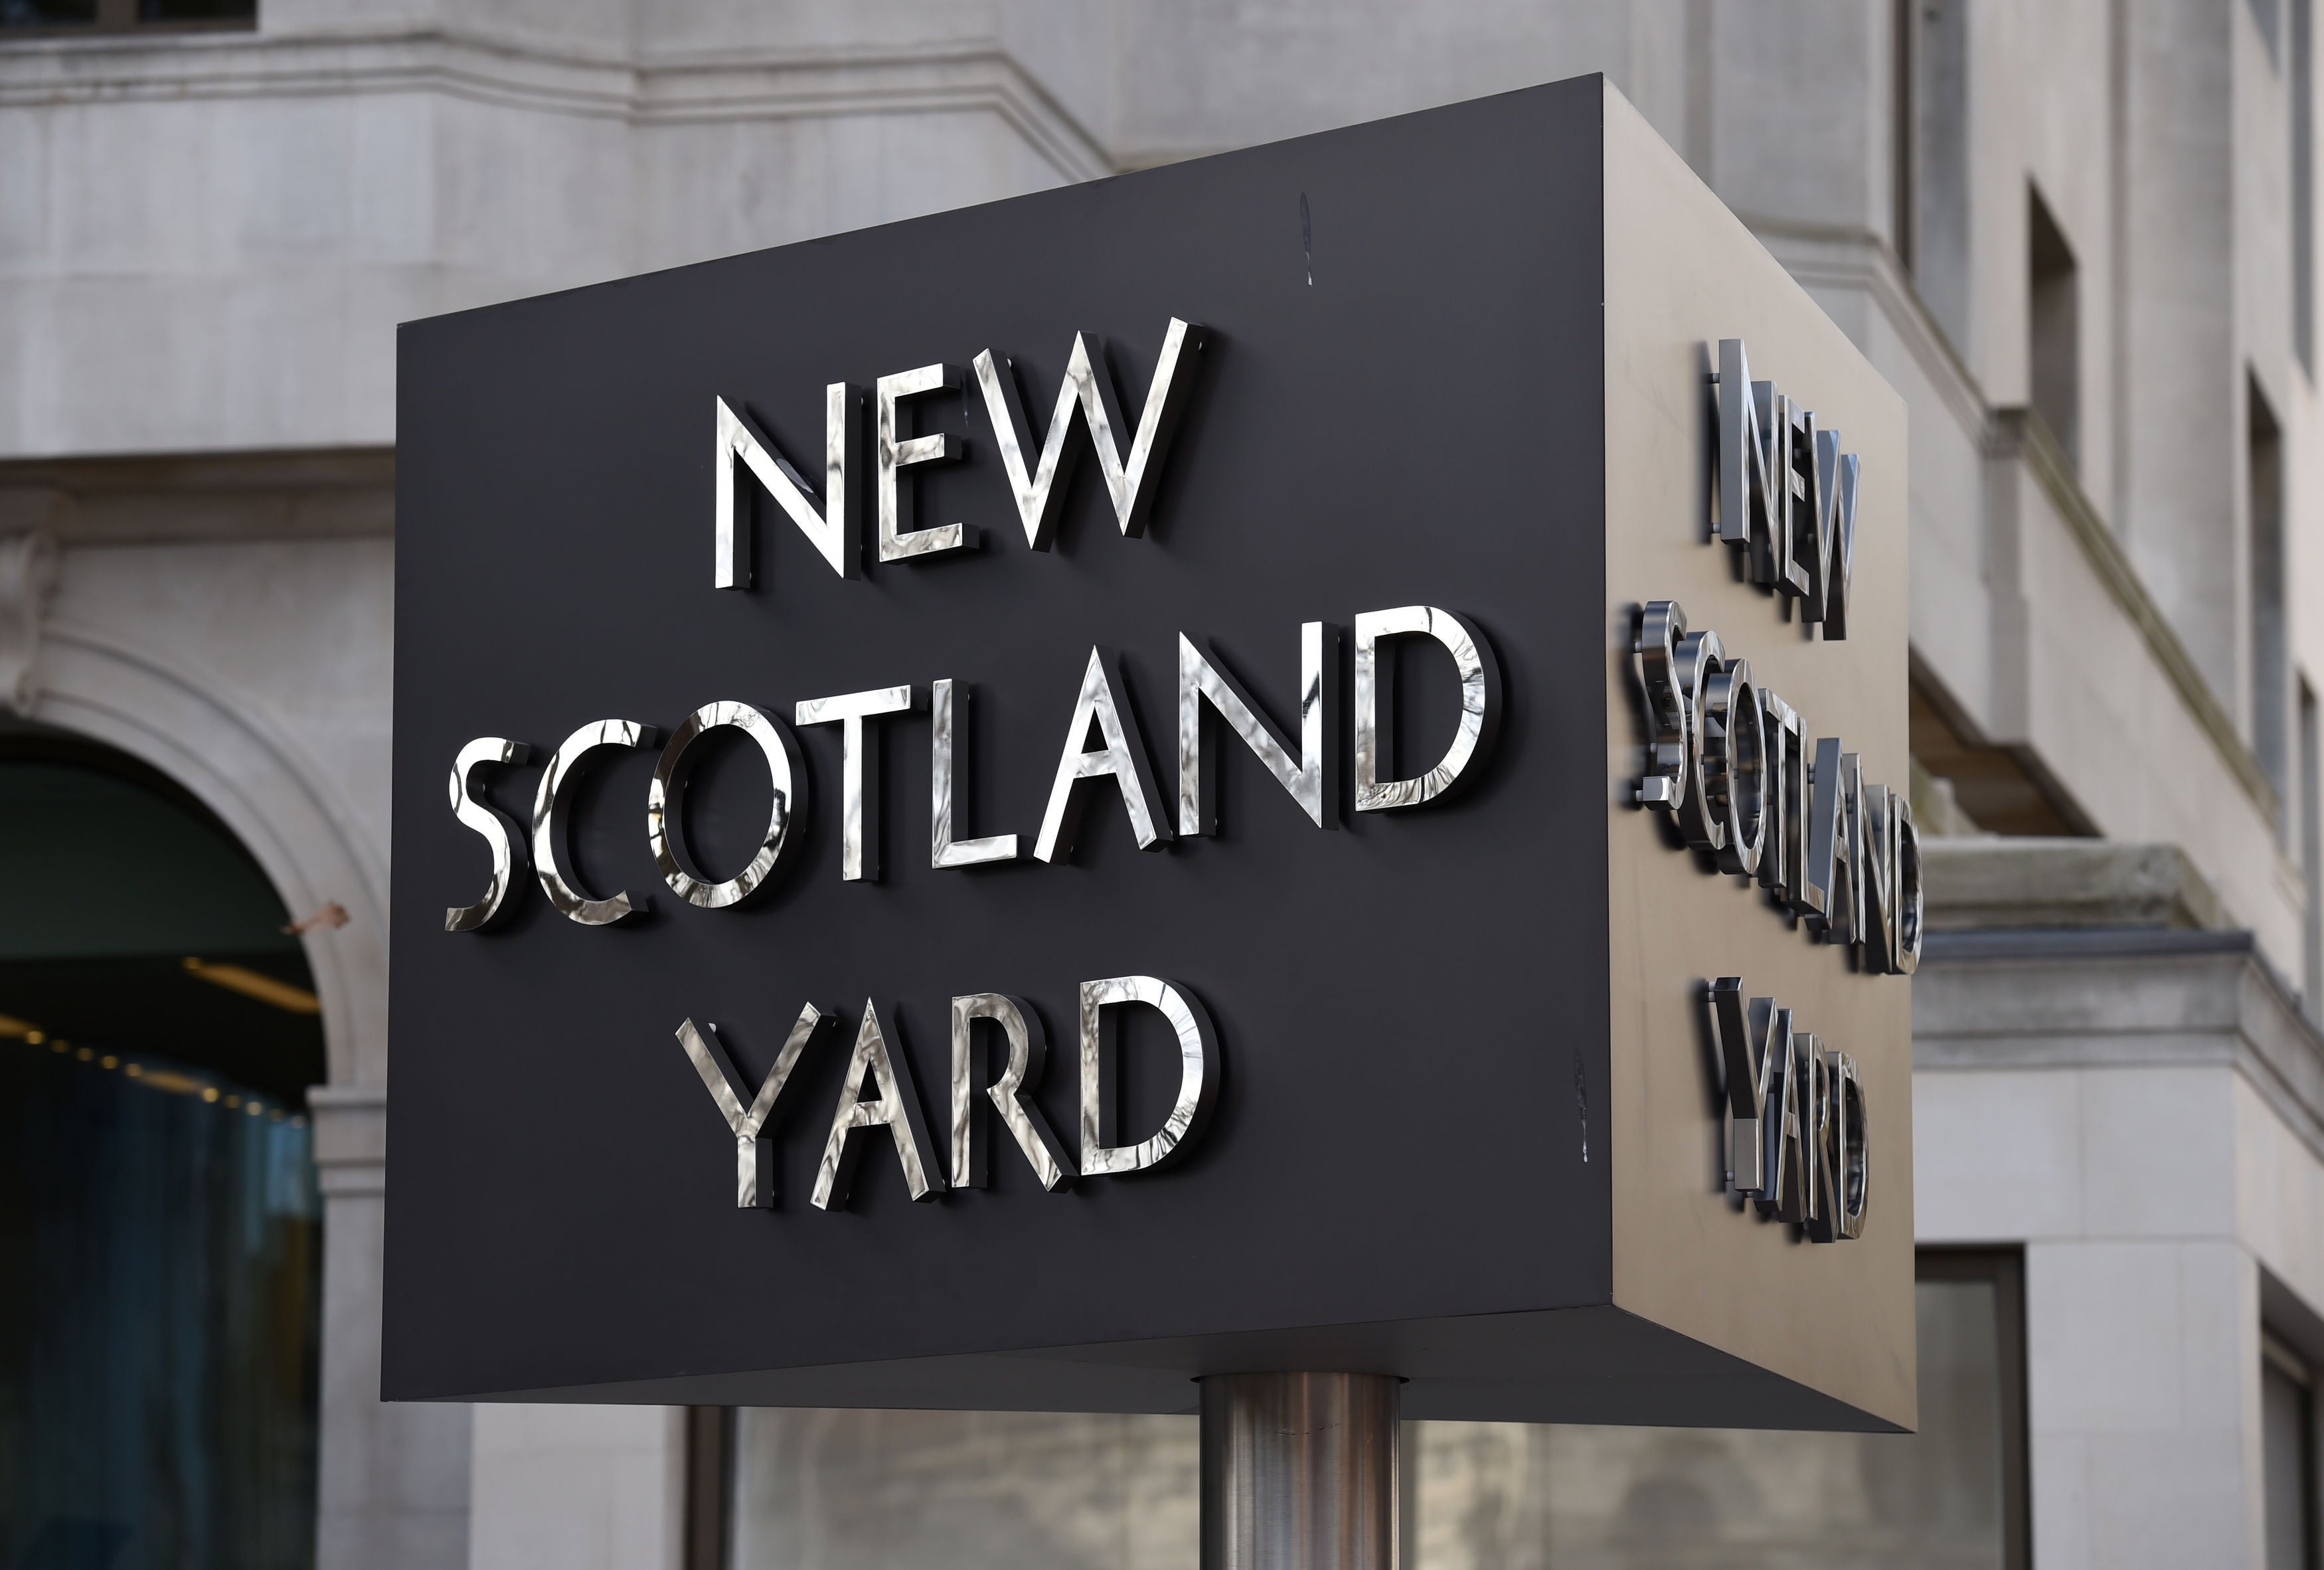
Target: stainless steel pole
x: 1299, y: 1471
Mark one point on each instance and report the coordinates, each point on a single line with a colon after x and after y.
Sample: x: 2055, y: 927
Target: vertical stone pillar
x: 392, y: 1492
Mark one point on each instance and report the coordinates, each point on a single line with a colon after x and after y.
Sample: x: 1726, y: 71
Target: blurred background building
x: 2078, y: 235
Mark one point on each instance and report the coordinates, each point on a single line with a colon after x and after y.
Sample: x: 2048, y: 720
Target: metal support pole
x: 1299, y: 1471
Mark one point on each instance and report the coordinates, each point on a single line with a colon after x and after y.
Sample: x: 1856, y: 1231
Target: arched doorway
x: 159, y: 1222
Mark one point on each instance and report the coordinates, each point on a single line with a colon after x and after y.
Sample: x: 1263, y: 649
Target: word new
x: 1796, y: 1129
x: 878, y: 1096
x: 1305, y: 770
x: 1730, y: 763
x: 1038, y: 477
x: 1786, y: 494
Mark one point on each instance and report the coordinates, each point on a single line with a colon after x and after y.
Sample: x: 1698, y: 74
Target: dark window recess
x: 2270, y: 708
x: 2311, y: 854
x: 2053, y: 324
x: 1929, y: 155
x: 2303, y: 188
x: 85, y: 16
x: 2287, y: 1417
x: 2264, y: 17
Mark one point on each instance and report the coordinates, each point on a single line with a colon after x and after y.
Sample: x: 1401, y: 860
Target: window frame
x: 2004, y: 1268
x: 119, y: 19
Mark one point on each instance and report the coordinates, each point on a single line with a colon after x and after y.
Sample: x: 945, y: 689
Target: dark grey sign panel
x: 1358, y: 1090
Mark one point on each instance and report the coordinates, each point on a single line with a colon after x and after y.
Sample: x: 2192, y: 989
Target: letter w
x: 1089, y: 386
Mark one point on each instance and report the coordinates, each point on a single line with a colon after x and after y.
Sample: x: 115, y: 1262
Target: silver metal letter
x: 1747, y: 1043
x: 1735, y: 772
x: 1793, y: 435
x: 1779, y: 1192
x: 1008, y: 1094
x: 897, y: 1109
x: 1198, y: 1074
x: 549, y: 816
x: 1662, y: 627
x: 1753, y: 496
x: 1908, y: 888
x: 1779, y: 855
x: 1310, y: 778
x: 1823, y: 1202
x: 472, y: 809
x: 754, y: 1150
x: 1851, y: 1160
x: 665, y: 798
x: 1089, y: 385
x: 1875, y: 839
x: 1122, y: 758
x: 859, y: 770
x: 898, y: 541
x: 948, y: 786
x: 1835, y: 858
x: 1375, y: 691
x: 1701, y: 819
x: 1836, y: 530
x: 829, y: 524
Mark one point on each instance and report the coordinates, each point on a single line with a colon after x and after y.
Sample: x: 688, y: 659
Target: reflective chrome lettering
x: 1120, y: 757
x: 1310, y: 777
x: 1875, y: 837
x: 1754, y: 492
x: 897, y: 1109
x: 1838, y: 532
x: 1851, y: 1153
x: 1908, y: 887
x: 1779, y: 857
x: 898, y: 541
x: 1746, y: 1044
x: 1089, y: 386
x: 950, y: 729
x: 1700, y: 658
x: 1662, y: 627
x: 1198, y: 1074
x: 859, y: 769
x: 1736, y: 766
x: 1822, y: 1213
x: 549, y: 819
x: 1791, y: 437
x: 1008, y: 1094
x: 1779, y: 1131
x: 1834, y: 856
x: 1375, y: 696
x: 665, y: 813
x: 754, y: 1150
x: 469, y: 806
x: 829, y: 523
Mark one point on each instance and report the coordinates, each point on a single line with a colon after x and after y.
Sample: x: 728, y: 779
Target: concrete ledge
x: 2018, y: 883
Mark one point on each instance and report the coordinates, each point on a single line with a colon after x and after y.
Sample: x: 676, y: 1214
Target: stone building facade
x: 2078, y: 237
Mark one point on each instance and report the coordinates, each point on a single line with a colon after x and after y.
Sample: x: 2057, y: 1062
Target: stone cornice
x: 2110, y: 998
x: 945, y: 76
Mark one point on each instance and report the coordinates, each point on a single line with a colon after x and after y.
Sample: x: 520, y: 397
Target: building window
x: 2264, y: 17
x: 2271, y: 710
x: 906, y: 1491
x: 2287, y: 1398
x: 2053, y: 324
x: 1930, y: 181
x: 2303, y: 186
x: 87, y: 16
